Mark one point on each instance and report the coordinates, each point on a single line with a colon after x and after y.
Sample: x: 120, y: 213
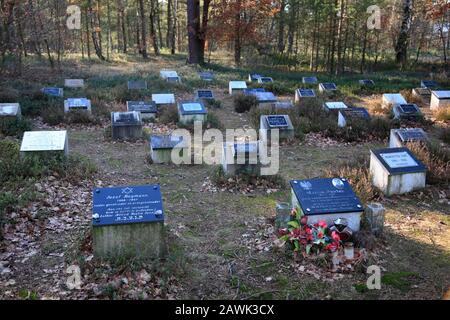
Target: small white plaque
x: 74, y: 83
x: 398, y: 160
x: 163, y: 98
x: 168, y: 74
x: 336, y: 105
x: 442, y: 94
x: 9, y: 109
x: 394, y: 98
x: 44, y: 141
x: 192, y: 107
x: 238, y: 85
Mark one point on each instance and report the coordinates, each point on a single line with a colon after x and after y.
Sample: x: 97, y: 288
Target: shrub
x: 168, y: 114
x: 444, y: 135
x: 243, y: 103
x: 14, y: 126
x: 53, y: 115
x: 7, y: 202
x: 212, y: 121
x: 81, y: 117
x: 358, y: 175
x: 213, y: 103
x: 443, y: 114
x: 436, y: 159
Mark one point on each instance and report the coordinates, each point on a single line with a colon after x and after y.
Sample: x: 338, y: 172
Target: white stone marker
x: 337, y: 105
x: 396, y: 171
x: 170, y: 75
x: 74, y: 83
x: 163, y: 98
x: 44, y: 141
x: 236, y: 86
x: 440, y: 99
x: 10, y: 110
x: 391, y: 99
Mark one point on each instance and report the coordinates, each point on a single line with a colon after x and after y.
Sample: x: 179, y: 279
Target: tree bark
x: 401, y: 47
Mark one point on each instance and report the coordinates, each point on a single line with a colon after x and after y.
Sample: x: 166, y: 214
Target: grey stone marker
x: 241, y: 158
x: 128, y: 222
x: 391, y: 99
x: 126, y: 125
x: 327, y: 87
x: 162, y: 147
x: 147, y: 109
x: 396, y: 171
x: 137, y: 85
x: 163, y: 99
x: 407, y: 111
x: 74, y: 83
x: 303, y: 93
x: 280, y: 122
x: 399, y: 137
x: 236, y: 87
x: 374, y: 218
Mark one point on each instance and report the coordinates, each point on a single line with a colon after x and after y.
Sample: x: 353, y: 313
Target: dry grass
x: 436, y: 159
x: 443, y: 114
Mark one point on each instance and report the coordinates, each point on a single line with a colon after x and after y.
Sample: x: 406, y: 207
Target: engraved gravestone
x: 137, y: 85
x: 254, y: 77
x: 399, y: 137
x: 391, y: 99
x: 128, y: 222
x: 280, y: 122
x: 53, y: 91
x: 309, y: 80
x: 162, y: 146
x: 241, y: 158
x: 265, y: 80
x: 440, y: 99
x: 74, y: 83
x: 73, y: 104
x: 44, y: 141
x: 428, y: 84
x: 206, y: 76
x: 190, y: 111
x: 396, y: 171
x: 349, y: 114
x: 304, y: 93
x: 204, y: 94
x: 126, y: 125
x: 327, y: 87
x: 334, y: 105
x: 146, y: 108
x: 407, y: 111
x: 366, y: 83
x: 163, y: 98
x: 327, y: 199
x: 236, y: 86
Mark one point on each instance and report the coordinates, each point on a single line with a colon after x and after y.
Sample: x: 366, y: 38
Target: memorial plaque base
x: 394, y: 140
x: 391, y: 184
x: 353, y: 218
x: 265, y: 105
x: 436, y: 103
x: 233, y: 169
x: 127, y: 132
x: 148, y: 115
x: 190, y: 118
x: 135, y: 240
x: 165, y: 155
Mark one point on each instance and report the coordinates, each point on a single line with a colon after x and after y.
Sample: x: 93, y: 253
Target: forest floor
x: 221, y: 242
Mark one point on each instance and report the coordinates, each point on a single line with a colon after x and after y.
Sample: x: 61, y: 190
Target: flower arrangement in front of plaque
x: 307, y: 238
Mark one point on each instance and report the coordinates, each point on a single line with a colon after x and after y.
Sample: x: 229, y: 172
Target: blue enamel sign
x: 192, y: 107
x: 322, y: 196
x: 124, y: 205
x: 54, y: 92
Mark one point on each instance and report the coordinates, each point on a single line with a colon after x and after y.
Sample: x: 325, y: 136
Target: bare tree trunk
x: 193, y: 27
x: 281, y: 27
x: 401, y: 47
x: 143, y: 31
x: 153, y: 27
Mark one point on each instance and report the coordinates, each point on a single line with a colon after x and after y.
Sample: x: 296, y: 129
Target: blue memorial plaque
x: 52, y: 91
x: 166, y: 142
x: 126, y: 118
x: 125, y: 205
x: 254, y: 76
x: 265, y: 97
x: 265, y: 80
x: 142, y: 106
x: 367, y: 82
x: 173, y: 79
x: 254, y: 90
x: 329, y: 86
x: 412, y: 134
x: 429, y: 84
x: 205, y: 94
x: 355, y: 112
x: 277, y: 121
x: 79, y: 103
x: 302, y: 92
x: 309, y: 80
x: 325, y: 196
x: 192, y: 107
x: 206, y: 76
x: 399, y: 160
